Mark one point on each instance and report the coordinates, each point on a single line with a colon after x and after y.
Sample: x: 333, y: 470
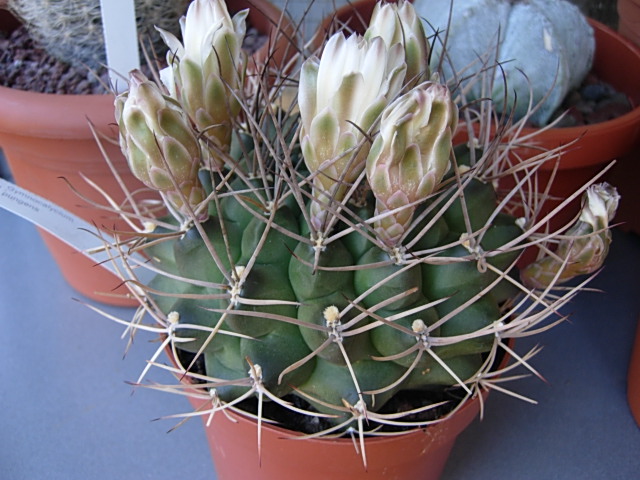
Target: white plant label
x: 120, y: 39
x: 71, y: 229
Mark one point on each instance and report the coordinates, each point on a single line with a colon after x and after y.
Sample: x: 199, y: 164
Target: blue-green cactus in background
x: 544, y: 49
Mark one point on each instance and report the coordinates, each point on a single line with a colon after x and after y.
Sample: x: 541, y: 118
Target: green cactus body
x: 386, y: 281
x: 278, y: 246
x: 193, y: 257
x: 429, y: 232
x: 392, y: 341
x: 292, y: 286
x: 333, y: 384
x: 458, y: 279
x: 476, y: 202
x: 227, y: 366
x: 480, y: 314
x: 464, y: 367
x: 312, y: 312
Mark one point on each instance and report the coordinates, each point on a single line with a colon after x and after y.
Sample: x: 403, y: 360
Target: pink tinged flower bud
x: 584, y: 247
x: 399, y: 23
x: 158, y: 142
x: 410, y: 154
x: 193, y: 193
x: 391, y: 226
x: 341, y: 95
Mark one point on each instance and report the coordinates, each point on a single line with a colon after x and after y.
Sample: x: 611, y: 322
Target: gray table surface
x: 68, y: 413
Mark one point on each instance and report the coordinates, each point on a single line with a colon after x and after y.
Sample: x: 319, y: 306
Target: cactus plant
x: 544, y: 49
x: 71, y: 30
x: 343, y: 250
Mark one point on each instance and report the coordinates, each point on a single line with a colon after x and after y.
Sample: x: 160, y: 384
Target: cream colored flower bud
x: 158, y: 142
x: 399, y: 23
x: 584, y: 247
x: 410, y: 155
x: 600, y: 205
x: 208, y: 67
x: 341, y: 95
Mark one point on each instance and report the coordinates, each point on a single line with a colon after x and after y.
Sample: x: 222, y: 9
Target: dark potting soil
x: 402, y: 401
x: 25, y: 66
x: 594, y: 101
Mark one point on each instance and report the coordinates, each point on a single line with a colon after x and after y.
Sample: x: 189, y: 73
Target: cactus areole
x: 334, y: 255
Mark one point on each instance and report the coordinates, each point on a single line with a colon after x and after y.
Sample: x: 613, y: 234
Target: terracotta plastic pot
x: 418, y: 455
x: 266, y: 18
x: 353, y: 17
x: 46, y: 140
x: 633, y: 379
x: 421, y: 454
x: 47, y: 137
x: 629, y: 19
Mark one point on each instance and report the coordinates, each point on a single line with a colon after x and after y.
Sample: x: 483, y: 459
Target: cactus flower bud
x: 340, y: 97
x: 399, y: 23
x: 600, y: 206
x: 205, y: 71
x: 158, y: 142
x: 584, y: 247
x: 410, y: 155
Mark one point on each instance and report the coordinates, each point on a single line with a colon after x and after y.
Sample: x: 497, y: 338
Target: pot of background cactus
x: 334, y: 276
x: 536, y: 38
x: 47, y: 136
x: 528, y: 39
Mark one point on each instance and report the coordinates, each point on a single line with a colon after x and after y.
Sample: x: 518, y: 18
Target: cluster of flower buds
x: 342, y: 97
x: 157, y: 139
x: 410, y: 155
x: 160, y: 134
x: 586, y: 243
x: 206, y: 71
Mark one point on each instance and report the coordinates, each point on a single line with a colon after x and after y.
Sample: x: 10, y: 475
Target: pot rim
x: 470, y: 406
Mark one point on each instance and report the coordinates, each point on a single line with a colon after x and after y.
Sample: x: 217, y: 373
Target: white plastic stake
x: 121, y: 40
